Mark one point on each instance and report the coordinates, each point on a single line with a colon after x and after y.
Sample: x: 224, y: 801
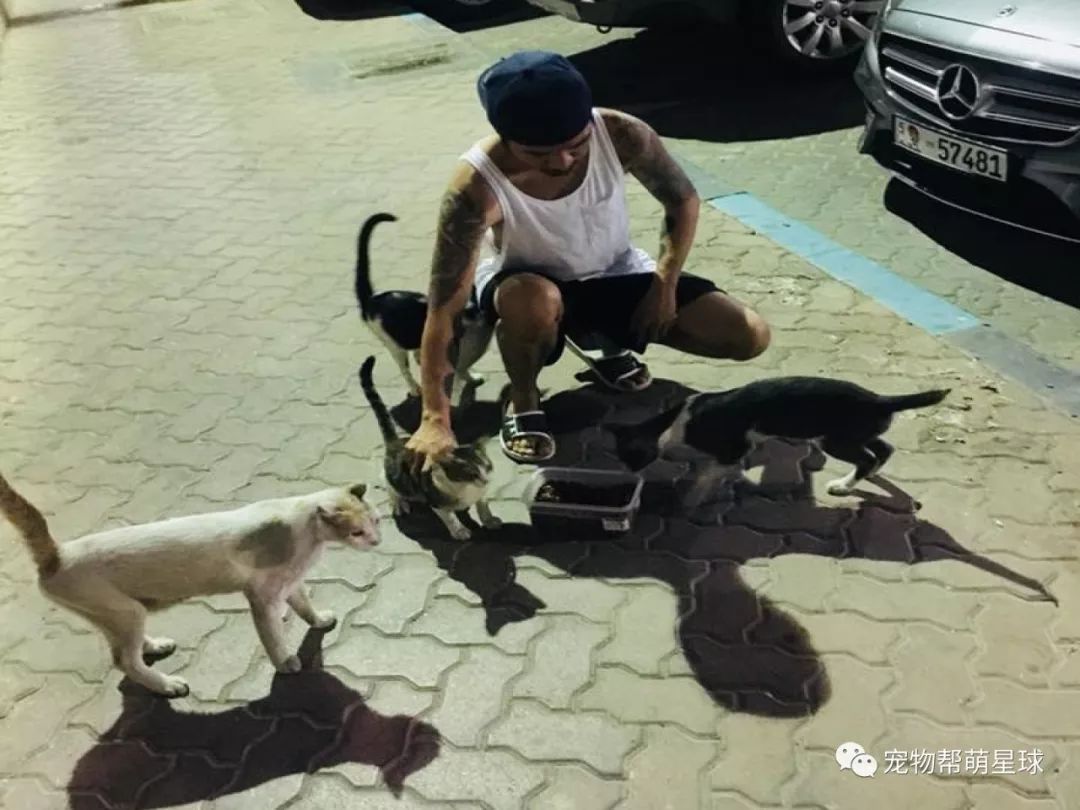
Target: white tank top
x: 582, y: 235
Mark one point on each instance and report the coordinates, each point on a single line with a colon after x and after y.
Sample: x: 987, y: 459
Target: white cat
x: 263, y: 550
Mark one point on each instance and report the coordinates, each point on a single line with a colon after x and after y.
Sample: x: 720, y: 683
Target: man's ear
x: 359, y: 490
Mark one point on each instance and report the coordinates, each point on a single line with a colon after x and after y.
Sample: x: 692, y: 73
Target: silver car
x: 811, y: 35
x: 977, y: 103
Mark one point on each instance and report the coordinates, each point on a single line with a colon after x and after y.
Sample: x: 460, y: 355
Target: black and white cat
x: 396, y: 318
x: 847, y: 420
x: 451, y: 485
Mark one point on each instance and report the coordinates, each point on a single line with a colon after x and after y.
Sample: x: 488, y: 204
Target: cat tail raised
x: 367, y: 383
x: 908, y: 402
x: 362, y: 281
x: 33, y: 528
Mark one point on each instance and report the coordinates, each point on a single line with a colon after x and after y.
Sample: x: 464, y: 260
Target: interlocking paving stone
x: 560, y: 661
x: 760, y: 779
x: 179, y: 336
x: 474, y: 694
x: 639, y: 699
x: 368, y: 654
x: 570, y: 787
x: 644, y: 630
x: 650, y: 781
x: 498, y: 779
x: 400, y: 595
x: 539, y: 733
x: 939, y: 686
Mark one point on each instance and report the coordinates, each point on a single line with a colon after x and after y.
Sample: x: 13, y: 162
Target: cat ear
x: 331, y: 518
x: 359, y: 490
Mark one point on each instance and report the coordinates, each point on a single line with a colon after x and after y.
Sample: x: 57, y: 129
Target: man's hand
x: 432, y: 441
x: 655, y: 314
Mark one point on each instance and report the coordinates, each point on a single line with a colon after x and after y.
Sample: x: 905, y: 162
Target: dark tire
x: 821, y: 52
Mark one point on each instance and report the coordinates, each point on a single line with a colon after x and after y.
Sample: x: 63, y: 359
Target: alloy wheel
x: 829, y: 29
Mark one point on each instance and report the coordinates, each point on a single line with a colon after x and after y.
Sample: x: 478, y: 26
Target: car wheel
x: 817, y: 35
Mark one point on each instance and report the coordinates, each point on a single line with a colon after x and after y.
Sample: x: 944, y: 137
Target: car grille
x: 1015, y: 104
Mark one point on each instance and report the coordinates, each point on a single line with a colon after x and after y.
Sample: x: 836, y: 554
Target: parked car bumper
x: 1042, y: 191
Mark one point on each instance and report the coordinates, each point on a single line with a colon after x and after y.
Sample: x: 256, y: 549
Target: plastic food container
x: 605, y: 500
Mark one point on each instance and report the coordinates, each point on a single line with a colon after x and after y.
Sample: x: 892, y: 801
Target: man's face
x: 555, y: 161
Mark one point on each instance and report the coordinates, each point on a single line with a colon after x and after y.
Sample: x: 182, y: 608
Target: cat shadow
x: 745, y: 651
x: 155, y: 756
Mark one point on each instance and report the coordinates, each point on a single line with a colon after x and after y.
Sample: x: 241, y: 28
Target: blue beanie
x: 535, y: 98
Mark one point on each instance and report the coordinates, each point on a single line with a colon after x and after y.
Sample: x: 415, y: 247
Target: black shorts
x: 602, y: 307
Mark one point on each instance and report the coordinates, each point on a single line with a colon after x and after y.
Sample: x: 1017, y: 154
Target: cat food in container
x: 577, y: 499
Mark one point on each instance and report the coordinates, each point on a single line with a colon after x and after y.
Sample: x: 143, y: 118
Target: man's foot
x: 622, y: 372
x: 525, y: 437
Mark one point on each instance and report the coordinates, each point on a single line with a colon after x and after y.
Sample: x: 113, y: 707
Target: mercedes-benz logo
x: 958, y: 91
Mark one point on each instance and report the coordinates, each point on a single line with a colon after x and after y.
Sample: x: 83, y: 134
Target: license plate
x: 964, y: 156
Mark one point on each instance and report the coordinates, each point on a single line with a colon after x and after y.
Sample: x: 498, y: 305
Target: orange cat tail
x: 32, y: 526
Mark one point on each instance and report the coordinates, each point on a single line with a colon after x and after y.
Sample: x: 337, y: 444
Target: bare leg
x: 716, y: 325
x: 400, y: 356
x: 457, y: 529
x: 301, y: 603
x: 857, y: 454
x: 271, y: 630
x: 487, y: 519
x: 882, y: 451
x: 158, y: 647
x: 529, y: 308
x: 124, y: 627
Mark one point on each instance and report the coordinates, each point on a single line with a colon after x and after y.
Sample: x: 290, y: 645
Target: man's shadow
x: 745, y: 651
x: 154, y: 756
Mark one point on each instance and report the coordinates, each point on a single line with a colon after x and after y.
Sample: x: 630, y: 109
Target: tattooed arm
x: 643, y: 155
x: 468, y: 210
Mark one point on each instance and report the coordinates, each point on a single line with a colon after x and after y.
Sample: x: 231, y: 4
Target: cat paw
x: 839, y: 487
x: 174, y: 687
x: 290, y: 665
x: 460, y: 533
x: 491, y: 522
x: 324, y: 620
x: 158, y: 647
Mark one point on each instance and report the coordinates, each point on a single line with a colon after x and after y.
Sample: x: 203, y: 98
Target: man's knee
x: 755, y: 336
x: 528, y: 303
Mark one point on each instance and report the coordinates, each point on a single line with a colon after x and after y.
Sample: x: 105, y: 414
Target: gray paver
x: 177, y: 335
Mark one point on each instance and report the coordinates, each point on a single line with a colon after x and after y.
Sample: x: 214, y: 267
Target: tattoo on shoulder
x: 461, y: 227
x: 645, y: 157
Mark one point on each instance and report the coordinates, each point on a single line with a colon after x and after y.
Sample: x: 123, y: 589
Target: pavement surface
x: 182, y: 186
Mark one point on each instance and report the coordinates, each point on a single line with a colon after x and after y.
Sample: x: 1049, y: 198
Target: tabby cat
x: 451, y: 485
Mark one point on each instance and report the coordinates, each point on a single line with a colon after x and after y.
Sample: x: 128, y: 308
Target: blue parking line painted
x: 911, y: 302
